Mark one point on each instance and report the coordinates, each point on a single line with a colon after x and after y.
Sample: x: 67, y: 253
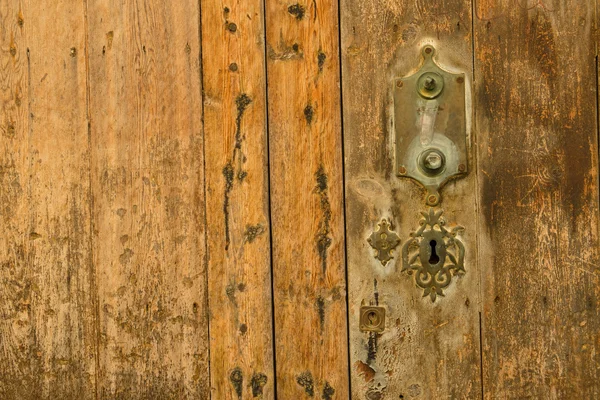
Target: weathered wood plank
x: 427, y: 350
x: 237, y: 198
x: 307, y: 199
x: 538, y: 170
x: 148, y: 181
x: 47, y: 330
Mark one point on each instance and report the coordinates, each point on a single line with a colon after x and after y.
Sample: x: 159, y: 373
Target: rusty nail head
x: 428, y: 50
x: 460, y: 79
x: 402, y: 170
x: 432, y: 199
x: 461, y: 167
x: 399, y: 83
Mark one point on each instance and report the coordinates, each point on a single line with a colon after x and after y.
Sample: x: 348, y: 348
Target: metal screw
x: 433, y: 161
x: 429, y: 84
x: 399, y: 84
x: 402, y: 170
x: 460, y: 79
x: 432, y: 199
x: 428, y: 50
x: 462, y: 168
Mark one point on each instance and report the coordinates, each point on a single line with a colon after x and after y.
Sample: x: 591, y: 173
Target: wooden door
x: 193, y: 196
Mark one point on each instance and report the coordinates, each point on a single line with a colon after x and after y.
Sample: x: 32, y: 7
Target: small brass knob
x: 430, y: 85
x: 432, y: 162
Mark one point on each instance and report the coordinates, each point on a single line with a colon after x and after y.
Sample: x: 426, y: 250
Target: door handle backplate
x: 430, y: 126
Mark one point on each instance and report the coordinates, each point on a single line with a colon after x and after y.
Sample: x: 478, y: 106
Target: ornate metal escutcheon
x: 434, y: 254
x: 384, y: 241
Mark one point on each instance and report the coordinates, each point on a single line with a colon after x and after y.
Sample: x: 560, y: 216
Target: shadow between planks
x: 177, y: 189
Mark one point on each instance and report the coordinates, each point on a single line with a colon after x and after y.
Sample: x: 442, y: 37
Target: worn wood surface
x: 147, y: 176
x: 428, y: 350
x: 47, y: 335
x: 538, y: 169
x: 237, y: 192
x: 306, y: 199
x: 172, y: 198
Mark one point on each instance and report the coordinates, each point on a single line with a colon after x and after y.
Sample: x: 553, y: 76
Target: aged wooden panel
x: 47, y: 334
x: 147, y: 173
x: 538, y: 169
x: 428, y: 349
x: 237, y: 198
x: 307, y: 199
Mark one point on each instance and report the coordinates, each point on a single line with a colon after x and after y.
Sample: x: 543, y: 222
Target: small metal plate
x: 384, y: 241
x: 372, y: 319
x: 430, y: 124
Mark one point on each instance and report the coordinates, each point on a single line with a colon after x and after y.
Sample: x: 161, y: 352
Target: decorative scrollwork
x: 434, y: 253
x: 384, y: 241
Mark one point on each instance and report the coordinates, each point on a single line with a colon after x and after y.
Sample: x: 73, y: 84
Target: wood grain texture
x: 237, y: 193
x: 47, y: 334
x: 147, y: 173
x: 307, y: 199
x: 428, y: 350
x: 538, y: 164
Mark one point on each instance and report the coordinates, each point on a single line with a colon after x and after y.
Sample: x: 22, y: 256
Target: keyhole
x: 373, y: 319
x: 433, y: 258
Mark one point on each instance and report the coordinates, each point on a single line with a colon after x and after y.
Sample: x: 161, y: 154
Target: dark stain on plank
x: 230, y: 291
x: 375, y: 292
x: 305, y: 380
x: 253, y: 231
x: 372, y: 347
x: 228, y: 175
x: 309, y: 113
x: 297, y: 10
x: 258, y: 382
x: 285, y: 52
x: 242, y: 175
x: 328, y: 391
x: 242, y: 102
x: 323, y: 240
x: 237, y: 380
x: 321, y: 57
x: 321, y: 310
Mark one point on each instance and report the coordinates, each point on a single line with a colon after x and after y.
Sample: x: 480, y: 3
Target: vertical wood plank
x: 536, y: 118
x: 307, y: 199
x: 234, y: 86
x: 47, y: 331
x: 148, y: 179
x: 427, y: 350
